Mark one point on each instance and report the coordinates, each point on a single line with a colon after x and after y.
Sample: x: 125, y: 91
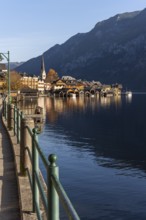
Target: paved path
x: 9, y: 202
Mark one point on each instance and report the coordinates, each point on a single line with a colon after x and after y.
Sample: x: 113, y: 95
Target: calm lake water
x: 101, y: 149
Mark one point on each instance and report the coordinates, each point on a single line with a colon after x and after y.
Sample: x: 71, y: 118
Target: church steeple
x: 43, y: 72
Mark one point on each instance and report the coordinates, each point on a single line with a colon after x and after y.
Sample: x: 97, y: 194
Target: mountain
x: 14, y: 65
x: 113, y: 51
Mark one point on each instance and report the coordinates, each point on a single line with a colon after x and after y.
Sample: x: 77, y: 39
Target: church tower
x: 43, y: 72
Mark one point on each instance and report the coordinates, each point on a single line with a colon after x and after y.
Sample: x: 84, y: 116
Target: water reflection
x: 128, y: 99
x: 59, y: 106
x: 29, y: 105
x: 105, y: 126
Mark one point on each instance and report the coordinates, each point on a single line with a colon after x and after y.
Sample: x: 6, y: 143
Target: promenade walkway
x: 9, y: 201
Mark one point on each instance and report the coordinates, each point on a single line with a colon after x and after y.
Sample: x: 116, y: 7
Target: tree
x: 52, y: 76
x: 15, y: 80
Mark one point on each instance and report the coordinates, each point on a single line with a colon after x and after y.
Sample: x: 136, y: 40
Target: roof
x: 67, y: 78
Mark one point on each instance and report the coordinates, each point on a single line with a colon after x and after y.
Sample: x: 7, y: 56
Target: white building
x: 43, y: 72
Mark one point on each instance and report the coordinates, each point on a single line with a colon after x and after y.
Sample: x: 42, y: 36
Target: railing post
x: 21, y: 117
x: 35, y: 171
x: 11, y: 125
x: 15, y: 120
x: 53, y: 199
x: 26, y: 141
x: 18, y: 123
x: 4, y: 108
x: 9, y: 116
x: 6, y: 113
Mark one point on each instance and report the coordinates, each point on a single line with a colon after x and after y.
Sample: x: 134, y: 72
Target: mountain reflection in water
x: 101, y: 148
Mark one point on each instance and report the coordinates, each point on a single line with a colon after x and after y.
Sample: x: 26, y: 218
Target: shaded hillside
x: 14, y: 65
x: 113, y: 51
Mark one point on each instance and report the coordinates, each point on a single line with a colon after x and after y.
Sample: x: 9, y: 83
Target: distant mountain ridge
x: 14, y: 65
x: 113, y: 51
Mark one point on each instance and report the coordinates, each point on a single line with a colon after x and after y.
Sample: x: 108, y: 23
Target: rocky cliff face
x: 113, y: 51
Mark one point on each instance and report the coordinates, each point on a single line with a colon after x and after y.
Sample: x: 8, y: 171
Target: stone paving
x: 9, y: 201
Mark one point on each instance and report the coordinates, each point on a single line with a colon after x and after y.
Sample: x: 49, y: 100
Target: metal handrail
x: 29, y: 177
x: 64, y: 199
x: 55, y: 190
x: 42, y: 156
x: 46, y: 163
x: 29, y: 153
x: 43, y: 196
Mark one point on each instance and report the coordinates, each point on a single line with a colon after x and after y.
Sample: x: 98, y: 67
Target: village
x: 51, y: 85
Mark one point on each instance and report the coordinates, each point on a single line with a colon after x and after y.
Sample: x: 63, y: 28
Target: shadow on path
x: 9, y: 201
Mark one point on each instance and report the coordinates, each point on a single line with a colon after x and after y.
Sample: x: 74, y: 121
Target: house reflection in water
x: 56, y: 106
x: 107, y: 101
x: 28, y: 106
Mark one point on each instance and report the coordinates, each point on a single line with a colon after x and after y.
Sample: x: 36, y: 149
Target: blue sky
x: 30, y: 27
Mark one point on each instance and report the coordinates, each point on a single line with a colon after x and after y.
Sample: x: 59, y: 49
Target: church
x: 37, y: 83
x: 42, y: 85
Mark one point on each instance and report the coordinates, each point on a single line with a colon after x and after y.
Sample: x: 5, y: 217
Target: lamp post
x: 7, y: 57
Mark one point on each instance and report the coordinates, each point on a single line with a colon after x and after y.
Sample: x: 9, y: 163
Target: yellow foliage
x: 52, y: 76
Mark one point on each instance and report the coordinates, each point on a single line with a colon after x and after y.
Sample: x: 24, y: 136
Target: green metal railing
x: 55, y: 190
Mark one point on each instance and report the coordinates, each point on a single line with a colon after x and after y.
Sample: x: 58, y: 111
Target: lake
x: 101, y: 149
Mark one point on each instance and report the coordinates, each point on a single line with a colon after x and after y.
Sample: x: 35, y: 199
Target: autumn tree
x: 52, y: 76
x: 15, y: 80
